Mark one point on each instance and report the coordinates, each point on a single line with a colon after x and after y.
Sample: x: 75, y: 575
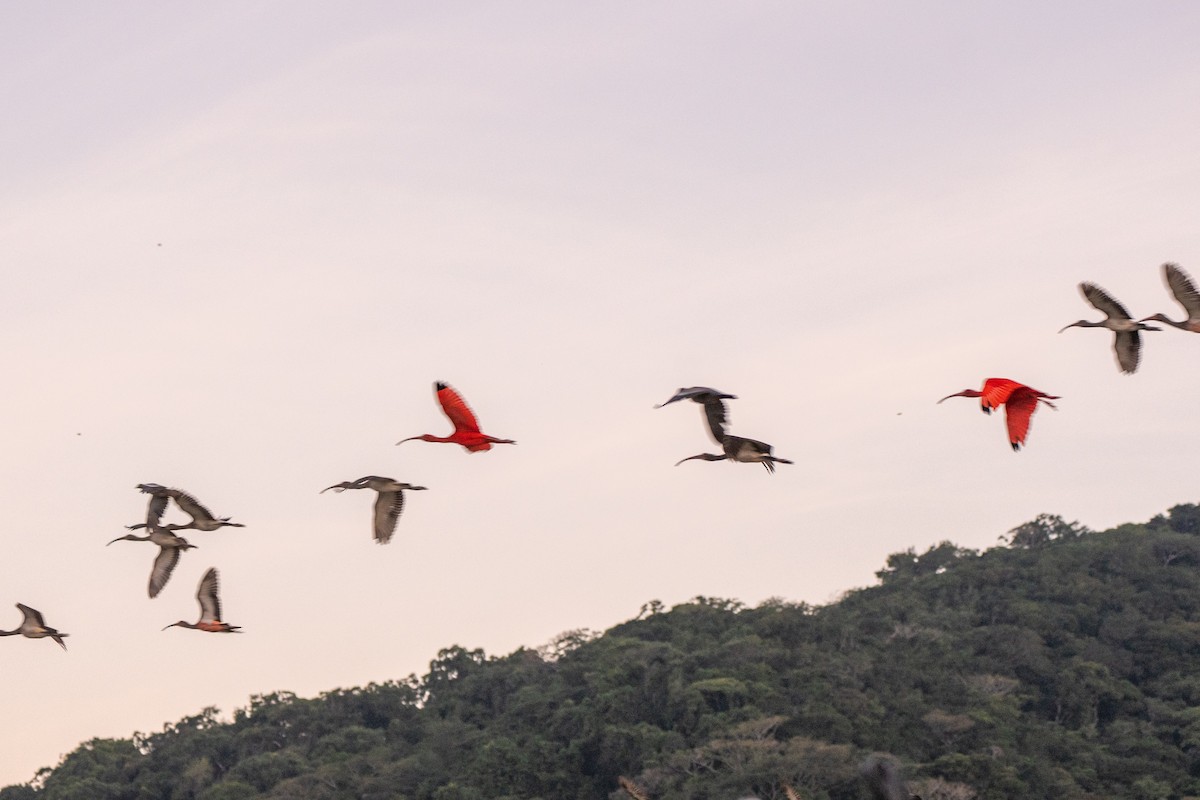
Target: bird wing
x: 791, y: 793
x: 190, y: 505
x: 884, y: 781
x: 1018, y: 412
x: 164, y: 564
x: 457, y: 409
x: 697, y: 393
x: 715, y: 414
x: 996, y: 391
x: 632, y: 789
x: 32, y: 615
x: 155, y: 509
x: 210, y: 604
x: 1128, y: 345
x: 1103, y: 301
x: 1185, y: 292
x: 387, y: 512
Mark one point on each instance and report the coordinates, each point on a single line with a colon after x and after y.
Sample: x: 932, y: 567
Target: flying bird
x: 735, y: 448
x: 466, y: 427
x: 632, y: 789
x: 1019, y: 401
x: 202, y: 518
x: 1185, y: 292
x: 169, y: 548
x: 698, y: 394
x: 388, y: 504
x: 34, y: 627
x: 210, y: 608
x: 884, y: 781
x: 1128, y: 342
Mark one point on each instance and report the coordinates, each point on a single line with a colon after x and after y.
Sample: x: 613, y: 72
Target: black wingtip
x: 1016, y: 446
x: 438, y: 386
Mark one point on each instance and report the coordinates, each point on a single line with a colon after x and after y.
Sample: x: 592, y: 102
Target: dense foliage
x: 1061, y: 665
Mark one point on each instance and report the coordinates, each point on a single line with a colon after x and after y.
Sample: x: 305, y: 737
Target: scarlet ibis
x: 1019, y: 401
x: 34, y: 627
x: 1185, y: 292
x: 210, y: 608
x: 1128, y: 342
x: 202, y: 518
x: 884, y: 781
x: 169, y: 547
x: 388, y: 504
x: 466, y: 427
x: 736, y: 448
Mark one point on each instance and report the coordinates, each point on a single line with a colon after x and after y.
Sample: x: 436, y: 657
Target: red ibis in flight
x: 466, y: 427
x: 1019, y: 401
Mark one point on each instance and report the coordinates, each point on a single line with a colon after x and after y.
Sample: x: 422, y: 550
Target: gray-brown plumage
x: 735, y: 448
x: 1127, y: 343
x: 1185, y: 293
x: 210, y: 608
x: 697, y: 393
x: 34, y: 627
x: 388, y: 504
x: 202, y: 518
x: 169, y: 547
x: 884, y: 781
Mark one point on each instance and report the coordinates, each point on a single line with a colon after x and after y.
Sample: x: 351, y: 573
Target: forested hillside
x: 1062, y: 664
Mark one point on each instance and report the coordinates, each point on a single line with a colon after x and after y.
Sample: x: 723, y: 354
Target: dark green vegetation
x: 1063, y: 664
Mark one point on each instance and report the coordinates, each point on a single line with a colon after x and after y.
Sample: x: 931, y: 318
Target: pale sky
x: 242, y: 241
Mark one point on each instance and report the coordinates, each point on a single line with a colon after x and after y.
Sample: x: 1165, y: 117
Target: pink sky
x: 243, y: 241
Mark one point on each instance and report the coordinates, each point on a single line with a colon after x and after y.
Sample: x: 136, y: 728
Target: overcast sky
x: 241, y: 241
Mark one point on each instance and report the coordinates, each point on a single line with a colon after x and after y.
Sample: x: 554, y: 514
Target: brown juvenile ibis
x: 169, y: 548
x: 388, y: 504
x: 1019, y: 401
x: 1185, y: 292
x: 34, y: 627
x: 884, y: 781
x: 1127, y: 343
x: 210, y: 608
x: 466, y: 427
x: 202, y: 518
x: 736, y: 448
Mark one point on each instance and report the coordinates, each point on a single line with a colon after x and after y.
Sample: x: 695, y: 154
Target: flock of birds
x: 1019, y: 401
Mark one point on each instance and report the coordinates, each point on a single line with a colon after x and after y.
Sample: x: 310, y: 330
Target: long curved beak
x: 337, y: 487
x: 172, y: 625
x: 1072, y: 325
x: 963, y: 393
x: 409, y: 439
